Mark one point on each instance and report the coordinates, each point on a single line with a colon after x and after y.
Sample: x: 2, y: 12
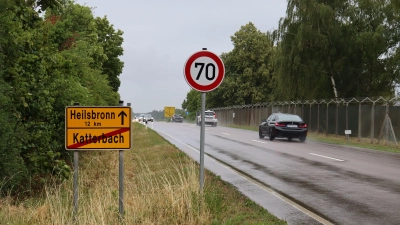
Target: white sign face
x: 347, y: 131
x: 204, y: 71
x: 233, y: 115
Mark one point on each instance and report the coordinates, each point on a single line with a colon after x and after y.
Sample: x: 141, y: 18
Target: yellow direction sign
x: 97, y: 128
x: 169, y: 111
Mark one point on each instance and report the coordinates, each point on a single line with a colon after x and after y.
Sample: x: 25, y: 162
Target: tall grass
x: 161, y: 186
x: 150, y: 198
x: 167, y: 195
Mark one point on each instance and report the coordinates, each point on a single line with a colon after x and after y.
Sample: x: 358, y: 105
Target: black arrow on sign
x: 122, y: 114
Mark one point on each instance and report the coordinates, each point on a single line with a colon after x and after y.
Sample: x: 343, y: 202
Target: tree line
x: 52, y: 53
x: 321, y: 49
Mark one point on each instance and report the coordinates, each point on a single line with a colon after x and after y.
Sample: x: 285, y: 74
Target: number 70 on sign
x: 204, y: 71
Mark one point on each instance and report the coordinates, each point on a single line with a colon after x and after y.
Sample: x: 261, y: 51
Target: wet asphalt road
x: 302, y: 183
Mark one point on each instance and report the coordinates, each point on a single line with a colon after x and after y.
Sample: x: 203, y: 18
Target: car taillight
x: 303, y: 125
x: 215, y: 116
x: 280, y: 125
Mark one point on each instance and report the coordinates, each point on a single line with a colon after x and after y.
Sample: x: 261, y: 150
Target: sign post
x: 204, y: 71
x: 347, y: 132
x: 98, y: 128
x: 121, y: 174
x: 76, y: 170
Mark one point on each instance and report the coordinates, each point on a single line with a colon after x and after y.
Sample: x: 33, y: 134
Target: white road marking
x: 260, y: 141
x: 269, y: 190
x: 340, y: 160
x: 225, y: 133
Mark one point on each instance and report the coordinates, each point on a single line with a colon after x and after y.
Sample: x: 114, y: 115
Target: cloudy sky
x: 160, y: 35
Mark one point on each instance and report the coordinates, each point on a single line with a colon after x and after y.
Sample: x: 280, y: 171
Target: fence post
x: 347, y: 116
x: 252, y: 116
x: 246, y: 115
x: 318, y: 120
x: 372, y: 122
x: 302, y: 110
x: 387, y: 123
x: 337, y: 118
x: 243, y: 116
x: 327, y: 114
x: 359, y: 122
x: 309, y: 122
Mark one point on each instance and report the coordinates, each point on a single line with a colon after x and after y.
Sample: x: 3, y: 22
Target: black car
x: 283, y: 125
x: 177, y: 118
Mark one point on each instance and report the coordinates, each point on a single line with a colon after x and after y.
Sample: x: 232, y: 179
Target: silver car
x: 210, y: 118
x: 147, y: 118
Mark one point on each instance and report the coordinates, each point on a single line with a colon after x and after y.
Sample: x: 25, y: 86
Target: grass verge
x: 341, y: 140
x: 161, y: 187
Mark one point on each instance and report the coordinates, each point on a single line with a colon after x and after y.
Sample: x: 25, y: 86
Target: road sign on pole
x: 204, y: 71
x: 97, y: 128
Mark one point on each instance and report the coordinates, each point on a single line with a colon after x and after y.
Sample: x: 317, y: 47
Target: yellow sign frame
x: 169, y: 111
x: 98, y: 127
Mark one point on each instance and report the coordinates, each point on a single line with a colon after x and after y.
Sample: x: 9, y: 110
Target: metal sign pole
x: 121, y: 178
x: 76, y: 167
x: 202, y: 137
x: 193, y: 69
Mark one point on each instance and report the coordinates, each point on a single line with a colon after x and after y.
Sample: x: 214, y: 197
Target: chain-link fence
x: 365, y: 117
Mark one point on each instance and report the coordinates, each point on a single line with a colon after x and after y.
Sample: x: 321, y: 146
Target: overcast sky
x: 160, y: 35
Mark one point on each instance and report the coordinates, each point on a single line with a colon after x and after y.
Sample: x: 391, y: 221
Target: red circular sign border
x: 221, y: 71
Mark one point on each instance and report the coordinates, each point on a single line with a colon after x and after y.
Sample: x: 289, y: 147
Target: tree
x: 111, y: 41
x: 336, y: 49
x: 192, y: 103
x: 46, y: 64
x: 248, y: 70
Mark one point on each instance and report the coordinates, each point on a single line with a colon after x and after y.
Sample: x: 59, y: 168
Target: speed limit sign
x: 204, y: 71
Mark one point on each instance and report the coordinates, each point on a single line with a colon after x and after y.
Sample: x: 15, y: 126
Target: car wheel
x: 302, y: 139
x: 260, y: 134
x: 271, y: 136
x: 215, y: 124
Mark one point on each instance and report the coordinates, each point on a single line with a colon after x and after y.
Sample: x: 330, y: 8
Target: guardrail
x: 365, y: 117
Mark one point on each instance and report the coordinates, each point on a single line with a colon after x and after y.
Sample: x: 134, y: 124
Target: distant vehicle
x: 141, y: 118
x: 210, y: 118
x: 177, y: 118
x: 283, y: 125
x: 147, y: 118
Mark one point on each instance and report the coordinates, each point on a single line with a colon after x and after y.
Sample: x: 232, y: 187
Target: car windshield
x: 284, y: 117
x: 209, y: 113
x: 147, y: 115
